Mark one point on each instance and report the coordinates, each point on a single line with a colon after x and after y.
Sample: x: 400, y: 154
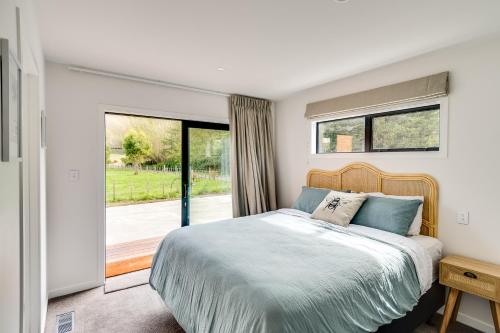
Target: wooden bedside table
x: 472, y: 276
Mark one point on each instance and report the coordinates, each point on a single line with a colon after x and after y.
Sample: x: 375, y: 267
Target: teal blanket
x: 281, y: 273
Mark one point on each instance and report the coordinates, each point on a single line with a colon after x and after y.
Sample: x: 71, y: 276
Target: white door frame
x: 102, y: 109
x: 34, y: 307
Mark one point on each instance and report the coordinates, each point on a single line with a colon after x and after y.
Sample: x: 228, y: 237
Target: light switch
x: 74, y: 175
x: 463, y: 217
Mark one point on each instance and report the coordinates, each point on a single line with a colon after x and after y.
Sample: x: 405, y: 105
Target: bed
x: 284, y: 272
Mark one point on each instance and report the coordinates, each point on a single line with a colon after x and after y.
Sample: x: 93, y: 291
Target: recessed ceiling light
x: 341, y: 1
x: 220, y: 69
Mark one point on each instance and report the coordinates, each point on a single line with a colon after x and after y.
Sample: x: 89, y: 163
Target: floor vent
x: 65, y: 322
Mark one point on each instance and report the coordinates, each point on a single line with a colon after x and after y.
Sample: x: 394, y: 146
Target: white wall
x: 10, y: 280
x: 10, y: 255
x: 468, y: 177
x: 75, y: 210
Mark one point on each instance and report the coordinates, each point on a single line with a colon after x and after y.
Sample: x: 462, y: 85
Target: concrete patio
x: 133, y: 232
x: 150, y: 220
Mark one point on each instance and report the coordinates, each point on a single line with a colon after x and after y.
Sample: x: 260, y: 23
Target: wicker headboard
x: 363, y: 177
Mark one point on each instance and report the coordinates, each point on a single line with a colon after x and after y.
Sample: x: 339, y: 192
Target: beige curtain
x: 252, y: 156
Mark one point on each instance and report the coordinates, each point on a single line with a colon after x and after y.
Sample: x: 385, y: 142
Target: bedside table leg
x: 457, y: 306
x: 449, y: 309
x: 495, y: 312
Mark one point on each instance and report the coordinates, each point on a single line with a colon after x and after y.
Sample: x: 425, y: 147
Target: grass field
x: 123, y: 186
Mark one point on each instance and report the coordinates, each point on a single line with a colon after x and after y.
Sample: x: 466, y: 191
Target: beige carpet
x: 140, y: 310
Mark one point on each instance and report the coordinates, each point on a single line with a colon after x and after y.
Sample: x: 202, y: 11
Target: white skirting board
x: 472, y: 322
x: 73, y: 289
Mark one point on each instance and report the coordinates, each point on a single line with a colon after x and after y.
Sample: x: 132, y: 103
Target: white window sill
x: 383, y: 155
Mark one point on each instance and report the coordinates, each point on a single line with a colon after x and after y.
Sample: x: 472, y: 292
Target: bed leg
x: 430, y: 321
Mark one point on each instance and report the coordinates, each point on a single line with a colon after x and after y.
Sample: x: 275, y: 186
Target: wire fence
x: 195, y: 173
x: 157, y: 168
x: 160, y: 183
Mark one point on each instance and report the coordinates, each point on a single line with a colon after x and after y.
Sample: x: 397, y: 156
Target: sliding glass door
x: 205, y: 173
x: 161, y: 174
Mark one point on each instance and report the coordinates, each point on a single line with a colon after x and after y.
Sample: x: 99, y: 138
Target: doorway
x: 161, y: 174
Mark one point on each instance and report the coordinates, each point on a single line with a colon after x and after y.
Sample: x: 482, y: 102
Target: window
x: 414, y: 129
x: 344, y: 135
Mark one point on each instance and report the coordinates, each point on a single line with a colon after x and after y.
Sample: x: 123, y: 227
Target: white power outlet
x: 463, y: 217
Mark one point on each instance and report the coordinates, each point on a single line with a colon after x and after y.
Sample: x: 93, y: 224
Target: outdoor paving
x: 148, y: 220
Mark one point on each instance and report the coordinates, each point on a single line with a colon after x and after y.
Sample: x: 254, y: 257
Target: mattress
x: 434, y: 248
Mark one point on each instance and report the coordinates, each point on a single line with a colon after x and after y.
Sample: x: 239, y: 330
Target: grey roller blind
x: 410, y: 91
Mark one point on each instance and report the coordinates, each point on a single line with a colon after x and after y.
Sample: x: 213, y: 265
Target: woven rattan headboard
x: 363, y: 177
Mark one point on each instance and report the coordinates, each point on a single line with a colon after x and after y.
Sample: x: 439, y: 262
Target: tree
x: 156, y: 129
x: 354, y: 127
x: 408, y: 130
x: 207, y: 149
x: 171, y: 146
x: 136, y: 147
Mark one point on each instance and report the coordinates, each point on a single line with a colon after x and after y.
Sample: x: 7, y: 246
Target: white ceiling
x: 269, y: 48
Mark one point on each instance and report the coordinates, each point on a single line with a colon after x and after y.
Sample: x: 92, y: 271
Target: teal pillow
x: 389, y: 214
x: 310, y: 198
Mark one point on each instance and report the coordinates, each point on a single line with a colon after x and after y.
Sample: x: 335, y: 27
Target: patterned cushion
x: 339, y: 207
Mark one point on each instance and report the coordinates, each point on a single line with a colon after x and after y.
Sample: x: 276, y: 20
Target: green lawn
x: 123, y: 186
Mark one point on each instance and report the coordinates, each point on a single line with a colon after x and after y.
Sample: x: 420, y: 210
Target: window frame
x: 369, y: 130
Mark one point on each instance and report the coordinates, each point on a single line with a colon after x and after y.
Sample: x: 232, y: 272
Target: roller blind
x: 410, y: 91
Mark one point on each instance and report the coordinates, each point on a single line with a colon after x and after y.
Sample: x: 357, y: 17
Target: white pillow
x: 339, y: 207
x: 417, y: 221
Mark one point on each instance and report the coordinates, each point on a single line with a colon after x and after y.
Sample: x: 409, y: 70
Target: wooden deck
x: 131, y: 256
